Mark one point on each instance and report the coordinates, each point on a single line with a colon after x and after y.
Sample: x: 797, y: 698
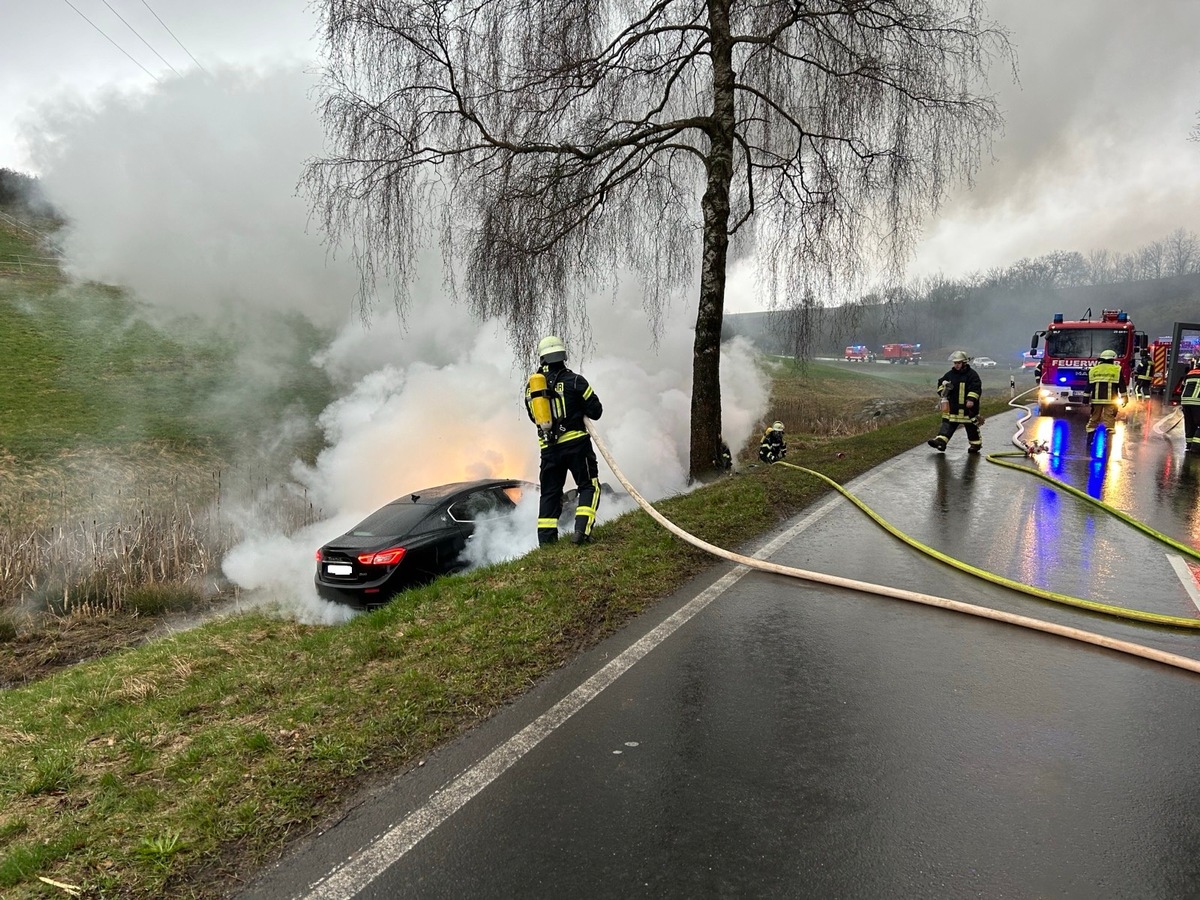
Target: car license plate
x: 339, y: 569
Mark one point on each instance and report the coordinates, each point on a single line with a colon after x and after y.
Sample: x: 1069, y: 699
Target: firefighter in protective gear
x: 1106, y: 385
x: 773, y: 447
x: 1143, y: 375
x: 1189, y: 402
x: 566, y: 445
x: 960, y: 390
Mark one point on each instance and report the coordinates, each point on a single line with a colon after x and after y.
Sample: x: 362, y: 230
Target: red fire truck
x: 904, y: 354
x: 859, y: 353
x: 1074, y: 346
x: 1161, y: 359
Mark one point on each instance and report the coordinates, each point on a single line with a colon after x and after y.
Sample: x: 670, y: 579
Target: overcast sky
x: 1095, y: 153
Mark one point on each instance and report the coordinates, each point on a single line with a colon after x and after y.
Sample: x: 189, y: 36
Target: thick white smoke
x: 186, y: 196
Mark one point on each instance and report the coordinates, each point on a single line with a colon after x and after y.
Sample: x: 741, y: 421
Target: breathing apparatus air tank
x: 539, y: 402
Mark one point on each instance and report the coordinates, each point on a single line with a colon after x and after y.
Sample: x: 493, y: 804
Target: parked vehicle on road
x: 985, y: 362
x: 902, y: 354
x: 859, y: 353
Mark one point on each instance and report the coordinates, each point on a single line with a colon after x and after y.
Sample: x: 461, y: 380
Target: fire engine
x: 1161, y: 359
x: 1160, y: 351
x: 902, y: 354
x: 859, y: 353
x: 1073, y: 347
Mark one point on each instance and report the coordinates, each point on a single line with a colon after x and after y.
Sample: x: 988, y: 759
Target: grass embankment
x: 116, y: 443
x: 176, y: 768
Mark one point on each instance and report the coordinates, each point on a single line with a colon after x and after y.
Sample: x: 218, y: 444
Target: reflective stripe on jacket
x: 1104, y: 383
x: 1190, y: 394
x: 571, y: 399
x: 958, y: 386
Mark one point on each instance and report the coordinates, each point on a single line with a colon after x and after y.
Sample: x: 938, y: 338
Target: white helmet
x: 778, y: 426
x: 958, y: 356
x: 1108, y: 354
x: 551, y: 350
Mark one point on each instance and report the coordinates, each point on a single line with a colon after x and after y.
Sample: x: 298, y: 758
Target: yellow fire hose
x: 1077, y: 634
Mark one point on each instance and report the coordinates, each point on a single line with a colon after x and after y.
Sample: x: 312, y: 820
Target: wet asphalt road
x: 778, y: 738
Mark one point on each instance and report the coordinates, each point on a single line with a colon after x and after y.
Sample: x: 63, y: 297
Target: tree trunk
x: 706, y: 364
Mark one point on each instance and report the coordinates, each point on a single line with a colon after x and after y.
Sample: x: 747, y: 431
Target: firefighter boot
x: 937, y: 444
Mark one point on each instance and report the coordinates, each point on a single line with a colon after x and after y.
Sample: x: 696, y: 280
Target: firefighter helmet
x: 958, y: 356
x: 551, y: 350
x: 1108, y: 354
x: 778, y: 426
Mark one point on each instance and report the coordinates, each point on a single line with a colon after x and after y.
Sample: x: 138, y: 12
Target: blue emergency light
x: 1058, y: 318
x: 1122, y: 317
x: 1062, y: 379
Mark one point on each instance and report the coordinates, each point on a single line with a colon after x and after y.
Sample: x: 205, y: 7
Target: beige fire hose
x: 1075, y: 634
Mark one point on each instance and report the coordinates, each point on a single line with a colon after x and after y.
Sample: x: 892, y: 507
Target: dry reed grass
x: 92, y: 533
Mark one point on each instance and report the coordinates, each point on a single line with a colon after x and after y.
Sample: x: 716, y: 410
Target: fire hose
x: 1076, y: 634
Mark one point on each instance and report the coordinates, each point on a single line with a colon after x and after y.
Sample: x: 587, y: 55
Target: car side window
x: 473, y: 506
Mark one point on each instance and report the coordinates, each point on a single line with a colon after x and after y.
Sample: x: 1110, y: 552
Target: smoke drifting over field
x: 186, y: 196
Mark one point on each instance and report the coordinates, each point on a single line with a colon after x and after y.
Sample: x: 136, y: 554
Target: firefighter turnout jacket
x: 957, y: 387
x: 1190, y: 394
x: 1105, y: 382
x: 571, y: 399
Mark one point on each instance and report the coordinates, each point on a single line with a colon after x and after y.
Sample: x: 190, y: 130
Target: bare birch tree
x: 564, y: 141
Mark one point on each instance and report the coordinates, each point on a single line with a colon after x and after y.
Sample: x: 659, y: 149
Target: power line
x: 172, y: 34
x: 139, y: 37
x: 110, y: 40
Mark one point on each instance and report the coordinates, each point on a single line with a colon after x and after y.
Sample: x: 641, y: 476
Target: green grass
x: 82, y: 368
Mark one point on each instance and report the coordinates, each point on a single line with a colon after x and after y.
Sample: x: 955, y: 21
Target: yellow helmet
x: 1108, y: 354
x: 551, y: 349
x: 958, y: 356
x: 778, y: 426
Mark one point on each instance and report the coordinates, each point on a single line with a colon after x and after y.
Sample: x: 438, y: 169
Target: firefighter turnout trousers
x: 578, y: 458
x: 1189, y: 402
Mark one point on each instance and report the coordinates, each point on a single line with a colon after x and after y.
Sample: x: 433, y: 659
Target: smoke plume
x: 186, y: 196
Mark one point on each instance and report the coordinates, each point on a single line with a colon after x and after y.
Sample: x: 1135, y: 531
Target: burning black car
x: 412, y: 540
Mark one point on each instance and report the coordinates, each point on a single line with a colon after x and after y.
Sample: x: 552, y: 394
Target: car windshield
x: 391, y: 520
x: 1085, y: 343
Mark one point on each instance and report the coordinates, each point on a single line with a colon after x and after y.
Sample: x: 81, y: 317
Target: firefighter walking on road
x: 1106, y: 385
x: 1143, y: 376
x: 960, y: 390
x: 557, y: 401
x: 1189, y: 402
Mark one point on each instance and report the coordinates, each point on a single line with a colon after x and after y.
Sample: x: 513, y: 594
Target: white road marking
x: 1184, y: 571
x: 361, y: 869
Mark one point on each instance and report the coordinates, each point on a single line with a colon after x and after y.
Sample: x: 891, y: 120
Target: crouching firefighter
x: 772, y: 448
x: 557, y: 401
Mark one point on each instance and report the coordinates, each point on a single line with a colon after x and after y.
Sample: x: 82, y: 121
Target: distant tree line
x: 995, y: 312
x: 22, y: 194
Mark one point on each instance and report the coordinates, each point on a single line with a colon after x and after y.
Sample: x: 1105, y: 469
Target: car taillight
x: 318, y: 554
x: 388, y: 557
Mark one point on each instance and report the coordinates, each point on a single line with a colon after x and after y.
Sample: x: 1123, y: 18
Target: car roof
x: 432, y: 495
x: 406, y: 513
